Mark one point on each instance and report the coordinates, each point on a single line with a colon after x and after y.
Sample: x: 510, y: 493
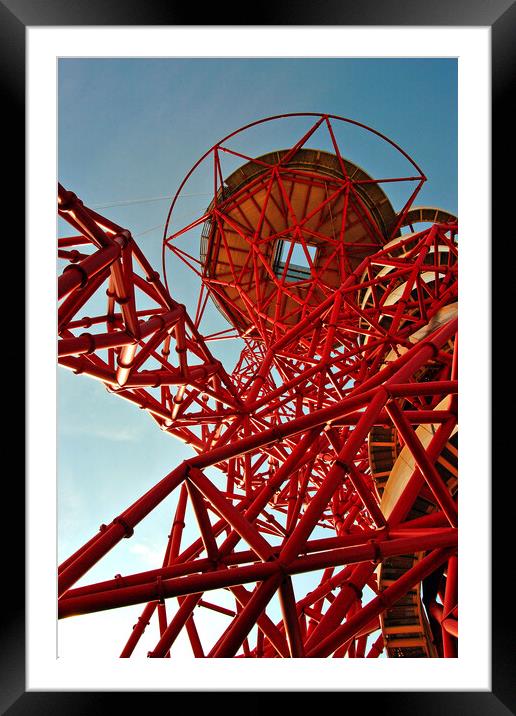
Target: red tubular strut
x: 347, y: 332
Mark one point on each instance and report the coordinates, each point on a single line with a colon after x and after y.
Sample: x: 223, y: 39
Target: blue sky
x: 132, y: 128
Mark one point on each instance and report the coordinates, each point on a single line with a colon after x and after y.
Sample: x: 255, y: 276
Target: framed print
x: 280, y: 300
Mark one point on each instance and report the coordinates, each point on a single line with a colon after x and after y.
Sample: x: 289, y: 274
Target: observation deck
x: 286, y: 229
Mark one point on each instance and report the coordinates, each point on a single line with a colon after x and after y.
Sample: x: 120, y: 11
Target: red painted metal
x: 323, y: 364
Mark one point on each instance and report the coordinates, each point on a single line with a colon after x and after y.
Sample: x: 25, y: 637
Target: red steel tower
x: 331, y: 516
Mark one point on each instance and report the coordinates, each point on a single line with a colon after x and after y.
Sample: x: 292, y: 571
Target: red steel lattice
x: 339, y: 418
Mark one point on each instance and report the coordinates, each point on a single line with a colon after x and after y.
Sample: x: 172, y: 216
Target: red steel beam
x: 383, y: 601
x: 290, y: 619
x: 329, y: 350
x: 159, y: 588
x: 427, y: 468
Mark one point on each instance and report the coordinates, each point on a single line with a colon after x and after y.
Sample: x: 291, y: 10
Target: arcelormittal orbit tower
x: 317, y: 514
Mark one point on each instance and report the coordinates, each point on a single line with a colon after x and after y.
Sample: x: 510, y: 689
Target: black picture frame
x: 500, y: 16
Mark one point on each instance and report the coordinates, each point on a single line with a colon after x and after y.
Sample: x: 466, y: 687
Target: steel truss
x: 334, y: 435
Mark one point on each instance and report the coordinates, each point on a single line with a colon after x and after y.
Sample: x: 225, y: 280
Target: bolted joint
x: 91, y: 342
x: 79, y: 368
x: 383, y: 390
x: 377, y: 556
x: 74, y: 256
x: 388, y: 394
x: 354, y: 588
x: 152, y: 277
x: 159, y: 318
x: 282, y: 567
x: 436, y: 349
x: 67, y: 200
x: 80, y: 270
x: 119, y: 581
x: 129, y: 531
x: 278, y: 435
x: 343, y: 465
x: 121, y: 363
x: 160, y: 592
x: 123, y: 238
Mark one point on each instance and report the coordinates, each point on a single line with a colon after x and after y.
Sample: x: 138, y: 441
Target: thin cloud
x: 115, y: 433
